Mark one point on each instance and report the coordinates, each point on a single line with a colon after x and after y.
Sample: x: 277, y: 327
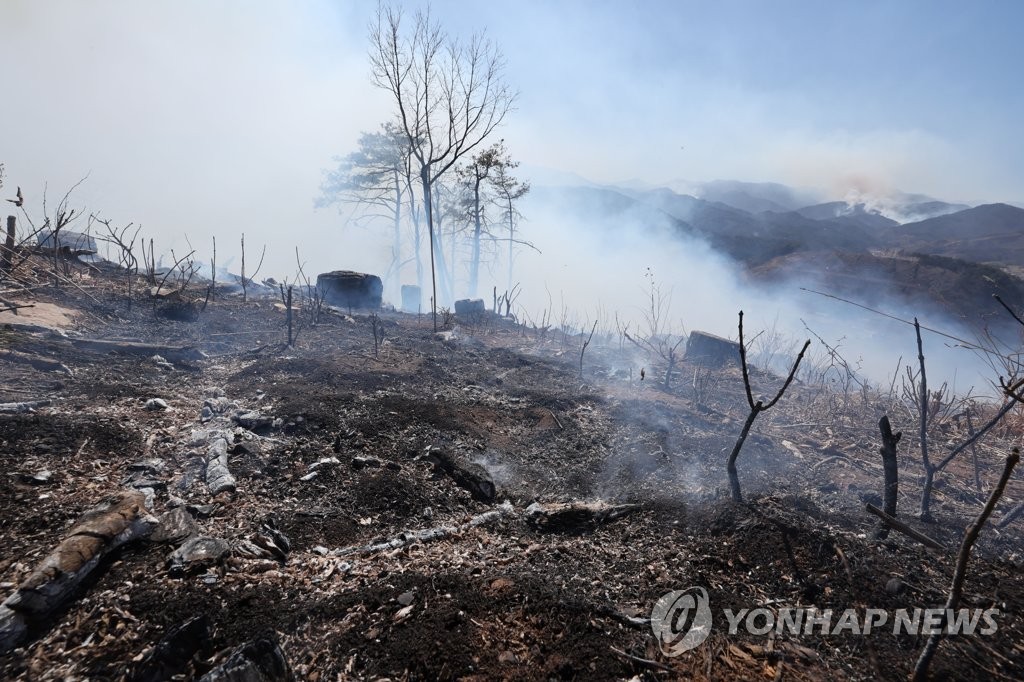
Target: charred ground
x: 504, y: 599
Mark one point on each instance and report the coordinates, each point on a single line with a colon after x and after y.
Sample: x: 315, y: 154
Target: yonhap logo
x: 681, y: 620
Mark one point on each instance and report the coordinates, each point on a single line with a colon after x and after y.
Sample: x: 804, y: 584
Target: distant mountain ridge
x: 942, y: 258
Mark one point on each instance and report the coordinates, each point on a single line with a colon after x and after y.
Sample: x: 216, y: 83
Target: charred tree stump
x: 7, y: 257
x: 288, y: 303
x: 890, y: 466
x: 470, y: 306
x: 96, y: 534
x: 710, y: 350
x: 347, y: 289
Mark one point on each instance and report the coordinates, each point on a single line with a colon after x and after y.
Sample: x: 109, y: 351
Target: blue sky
x: 214, y: 114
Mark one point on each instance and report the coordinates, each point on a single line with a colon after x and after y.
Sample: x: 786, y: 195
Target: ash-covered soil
x: 502, y: 599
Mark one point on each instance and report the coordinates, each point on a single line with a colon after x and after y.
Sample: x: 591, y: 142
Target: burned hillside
x: 378, y: 500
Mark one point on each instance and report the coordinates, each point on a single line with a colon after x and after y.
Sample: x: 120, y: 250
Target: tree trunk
x: 417, y: 237
x: 445, y: 274
x: 474, y: 263
x: 511, y: 237
x: 427, y: 202
x: 734, y: 479
x: 396, y: 282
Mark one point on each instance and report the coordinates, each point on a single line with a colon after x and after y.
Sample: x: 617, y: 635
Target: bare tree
x: 54, y: 223
x: 375, y: 178
x: 124, y: 239
x: 472, y: 178
x: 246, y: 281
x: 508, y: 190
x: 449, y: 96
x: 756, y: 408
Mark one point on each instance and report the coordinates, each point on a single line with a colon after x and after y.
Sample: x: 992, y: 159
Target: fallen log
x: 172, y: 353
x: 95, y: 535
x: 35, y: 362
x: 27, y: 406
x: 904, y: 528
x: 260, y: 660
x: 567, y: 516
x: 218, y: 476
x: 473, y: 477
x: 427, y: 535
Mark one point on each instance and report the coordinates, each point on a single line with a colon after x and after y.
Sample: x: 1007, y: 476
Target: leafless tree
x: 449, y: 96
x: 583, y: 348
x: 507, y: 191
x: 756, y: 408
x: 246, y: 281
x: 375, y: 179
x: 472, y: 178
x: 123, y: 239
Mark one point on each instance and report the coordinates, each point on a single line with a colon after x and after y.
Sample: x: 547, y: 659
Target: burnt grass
x: 501, y: 600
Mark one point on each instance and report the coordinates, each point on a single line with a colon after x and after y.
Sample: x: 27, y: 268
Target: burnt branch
x: 904, y: 528
x: 586, y: 343
x: 960, y: 573
x: 1008, y: 309
x: 929, y: 470
x: 247, y: 280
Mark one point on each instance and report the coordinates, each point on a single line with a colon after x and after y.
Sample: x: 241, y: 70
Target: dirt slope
x: 498, y: 600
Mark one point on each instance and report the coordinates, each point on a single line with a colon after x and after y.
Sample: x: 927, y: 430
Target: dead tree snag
x: 756, y: 408
x: 7, y: 257
x: 890, y: 466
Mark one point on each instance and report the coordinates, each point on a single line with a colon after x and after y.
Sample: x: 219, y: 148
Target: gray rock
x: 154, y: 404
x: 175, y: 526
x: 252, y: 420
x: 198, y: 553
x: 195, y: 469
